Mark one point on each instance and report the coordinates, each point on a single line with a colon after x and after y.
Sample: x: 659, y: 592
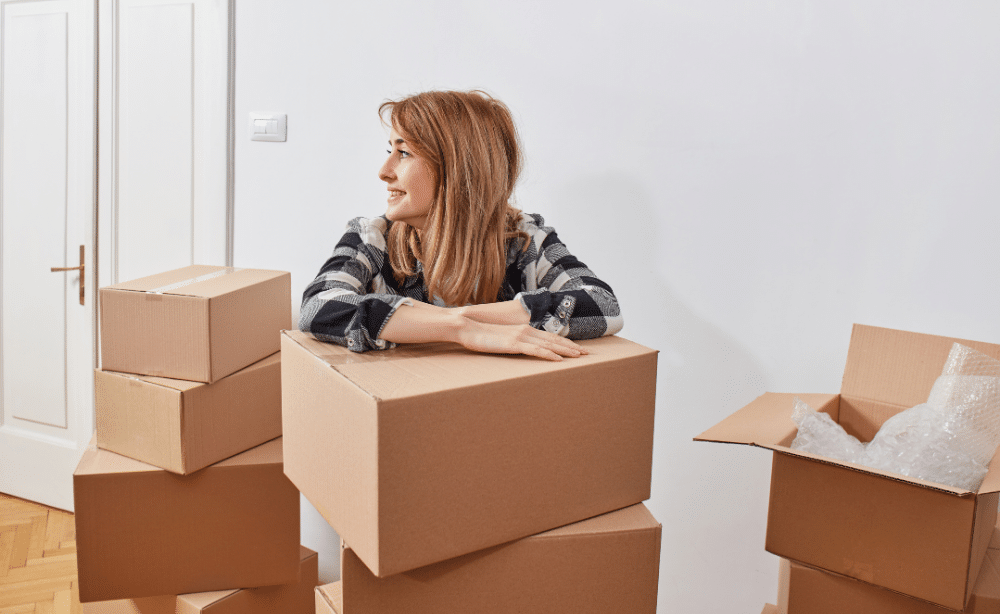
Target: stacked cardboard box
x: 922, y: 540
x: 448, y: 475
x: 183, y: 490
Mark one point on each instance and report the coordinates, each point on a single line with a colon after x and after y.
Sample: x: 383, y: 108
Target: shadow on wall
x: 703, y: 375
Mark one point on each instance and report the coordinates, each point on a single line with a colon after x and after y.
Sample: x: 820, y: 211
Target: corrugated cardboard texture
x: 898, y: 367
x: 185, y: 426
x: 142, y: 531
x: 200, y: 331
x: 892, y: 533
x: 296, y: 598
x: 330, y: 599
x: 812, y: 591
x: 606, y: 565
x: 415, y: 459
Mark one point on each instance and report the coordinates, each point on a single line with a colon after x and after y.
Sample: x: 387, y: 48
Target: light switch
x: 268, y: 126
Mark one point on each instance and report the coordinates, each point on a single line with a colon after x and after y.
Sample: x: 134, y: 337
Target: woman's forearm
x: 423, y: 323
x: 504, y: 312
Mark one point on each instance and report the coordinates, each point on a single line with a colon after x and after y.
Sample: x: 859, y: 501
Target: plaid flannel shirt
x: 355, y: 293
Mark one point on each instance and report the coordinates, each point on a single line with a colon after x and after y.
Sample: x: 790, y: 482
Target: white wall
x: 751, y: 177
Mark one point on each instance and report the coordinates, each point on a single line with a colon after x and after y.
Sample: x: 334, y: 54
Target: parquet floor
x: 37, y: 559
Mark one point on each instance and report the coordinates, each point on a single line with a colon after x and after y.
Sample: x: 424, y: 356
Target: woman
x: 451, y: 259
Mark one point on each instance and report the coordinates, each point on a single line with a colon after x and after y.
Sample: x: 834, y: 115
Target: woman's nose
x: 385, y: 173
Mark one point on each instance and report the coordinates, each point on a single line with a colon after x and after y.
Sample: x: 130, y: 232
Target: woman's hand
x: 516, y: 339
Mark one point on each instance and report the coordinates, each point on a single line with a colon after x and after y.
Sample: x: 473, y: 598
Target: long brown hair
x: 470, y: 141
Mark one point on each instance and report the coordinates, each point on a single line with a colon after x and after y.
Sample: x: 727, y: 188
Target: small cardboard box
x: 184, y: 426
x: 295, y: 598
x: 142, y: 531
x: 198, y: 323
x: 605, y: 564
x: 330, y: 599
x: 806, y: 590
x: 426, y: 452
x: 908, y: 535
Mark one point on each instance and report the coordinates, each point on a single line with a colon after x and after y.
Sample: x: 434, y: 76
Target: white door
x: 47, y: 212
x: 163, y: 199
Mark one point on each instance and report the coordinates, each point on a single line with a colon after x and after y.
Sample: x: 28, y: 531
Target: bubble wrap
x: 950, y: 439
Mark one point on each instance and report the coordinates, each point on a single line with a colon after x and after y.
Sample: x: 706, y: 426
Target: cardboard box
x: 806, y: 590
x: 184, y: 426
x: 330, y: 599
x: 142, y: 531
x: 198, y: 323
x: 296, y: 598
x: 605, y: 564
x: 915, y: 537
x: 426, y: 452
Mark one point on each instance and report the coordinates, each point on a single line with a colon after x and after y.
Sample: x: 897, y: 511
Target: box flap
x: 333, y: 595
x: 869, y: 470
x: 166, y: 278
x: 422, y: 368
x: 200, y: 601
x: 96, y: 461
x: 198, y: 280
x: 898, y: 367
x: 265, y: 454
x: 633, y: 518
x: 180, y: 385
x: 768, y: 419
x: 991, y: 483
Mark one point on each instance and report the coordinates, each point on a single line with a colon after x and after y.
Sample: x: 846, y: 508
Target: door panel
x: 47, y: 163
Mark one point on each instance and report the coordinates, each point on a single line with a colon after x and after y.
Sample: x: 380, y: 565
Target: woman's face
x: 410, y: 181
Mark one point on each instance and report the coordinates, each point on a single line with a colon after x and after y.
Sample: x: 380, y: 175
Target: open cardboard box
x: 426, y: 452
x: 197, y: 323
x: 908, y: 535
x: 294, y: 598
x: 605, y: 564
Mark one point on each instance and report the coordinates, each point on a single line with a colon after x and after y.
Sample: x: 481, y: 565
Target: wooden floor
x: 37, y: 559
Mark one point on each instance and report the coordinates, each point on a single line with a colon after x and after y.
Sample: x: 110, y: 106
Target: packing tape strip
x: 193, y: 280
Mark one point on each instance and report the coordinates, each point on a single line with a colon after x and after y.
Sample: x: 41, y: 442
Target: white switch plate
x: 276, y: 127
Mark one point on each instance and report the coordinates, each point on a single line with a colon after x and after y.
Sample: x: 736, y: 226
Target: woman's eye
x: 404, y: 154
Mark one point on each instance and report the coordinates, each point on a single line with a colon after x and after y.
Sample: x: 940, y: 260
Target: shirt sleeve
x: 561, y: 294
x: 336, y: 306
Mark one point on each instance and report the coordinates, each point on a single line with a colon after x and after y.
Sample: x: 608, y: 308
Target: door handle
x: 75, y: 268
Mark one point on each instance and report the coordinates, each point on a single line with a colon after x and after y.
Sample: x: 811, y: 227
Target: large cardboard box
x: 330, y: 598
x: 605, y: 564
x: 142, y: 531
x: 198, y: 323
x: 295, y: 598
x: 806, y: 590
x: 184, y: 426
x: 915, y: 537
x: 426, y: 452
